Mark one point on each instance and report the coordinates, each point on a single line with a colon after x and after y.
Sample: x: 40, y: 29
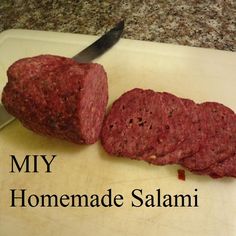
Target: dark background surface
x: 209, y: 24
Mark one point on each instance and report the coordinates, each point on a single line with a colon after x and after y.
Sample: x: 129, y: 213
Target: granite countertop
x: 202, y: 23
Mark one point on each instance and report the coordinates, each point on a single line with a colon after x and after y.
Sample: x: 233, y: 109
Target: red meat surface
x: 56, y: 96
x: 161, y: 129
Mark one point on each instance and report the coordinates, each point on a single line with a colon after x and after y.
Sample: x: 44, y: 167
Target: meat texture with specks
x: 57, y: 96
x: 219, y: 145
x: 161, y: 129
x: 148, y: 125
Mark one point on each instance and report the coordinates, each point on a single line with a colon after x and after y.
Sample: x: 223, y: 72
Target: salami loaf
x: 57, y: 96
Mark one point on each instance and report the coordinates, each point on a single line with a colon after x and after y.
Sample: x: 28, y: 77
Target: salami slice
x: 218, y: 128
x: 135, y: 125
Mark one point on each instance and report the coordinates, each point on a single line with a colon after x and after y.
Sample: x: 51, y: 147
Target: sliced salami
x: 161, y: 128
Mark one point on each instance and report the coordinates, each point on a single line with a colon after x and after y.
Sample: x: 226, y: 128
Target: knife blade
x: 5, y: 117
x: 101, y: 45
x: 95, y: 50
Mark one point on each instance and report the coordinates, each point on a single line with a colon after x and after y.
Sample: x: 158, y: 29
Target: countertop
x: 208, y: 23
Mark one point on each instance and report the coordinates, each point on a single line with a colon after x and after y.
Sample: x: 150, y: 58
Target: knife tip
x: 120, y: 25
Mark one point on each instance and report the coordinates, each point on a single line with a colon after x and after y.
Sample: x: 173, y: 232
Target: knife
x: 96, y: 49
x: 101, y: 45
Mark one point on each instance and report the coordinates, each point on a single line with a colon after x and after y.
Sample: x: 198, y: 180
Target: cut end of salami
x: 56, y: 96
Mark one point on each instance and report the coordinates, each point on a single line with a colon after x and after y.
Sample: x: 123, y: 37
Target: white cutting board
x: 200, y: 74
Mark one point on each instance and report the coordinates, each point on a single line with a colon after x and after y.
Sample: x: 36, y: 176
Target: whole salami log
x: 56, y: 96
x: 161, y: 128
